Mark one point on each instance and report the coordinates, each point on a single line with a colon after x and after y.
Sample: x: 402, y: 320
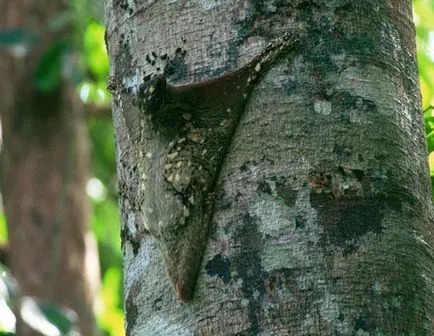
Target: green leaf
x: 5, y: 333
x: 430, y: 141
x: 105, y: 225
x: 49, y: 69
x: 95, y: 51
x: 3, y: 228
x: 112, y: 317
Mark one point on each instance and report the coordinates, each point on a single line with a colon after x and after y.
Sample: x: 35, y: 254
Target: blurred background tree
x: 52, y: 54
x: 80, y: 58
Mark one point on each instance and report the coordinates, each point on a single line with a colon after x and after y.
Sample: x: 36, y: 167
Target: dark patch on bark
x: 135, y: 243
x: 246, y: 27
x: 344, y: 213
x: 247, y: 263
x: 233, y: 58
x: 357, y: 221
x: 157, y: 304
x: 277, y: 280
x: 287, y: 194
x: 344, y: 102
x: 264, y: 187
x: 124, y: 41
x: 355, y: 42
x: 123, y: 4
x: 351, y: 202
x: 131, y: 308
x: 299, y: 221
x: 123, y: 238
x: 223, y: 202
x: 364, y: 323
x: 126, y: 236
x: 176, y: 69
x: 346, y: 221
x: 267, y: 160
x: 220, y: 266
x: 289, y: 81
x: 361, y: 44
x: 359, y: 174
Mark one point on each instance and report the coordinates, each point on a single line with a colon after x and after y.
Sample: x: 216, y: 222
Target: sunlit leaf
x: 105, y: 223
x: 96, y: 54
x: 430, y: 141
x: 112, y: 317
x: 3, y: 228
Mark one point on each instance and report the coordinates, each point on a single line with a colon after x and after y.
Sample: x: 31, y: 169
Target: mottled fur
x: 201, y: 118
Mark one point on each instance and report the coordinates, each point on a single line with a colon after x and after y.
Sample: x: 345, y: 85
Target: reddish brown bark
x: 45, y: 166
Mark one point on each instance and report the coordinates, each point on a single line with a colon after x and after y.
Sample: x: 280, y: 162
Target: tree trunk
x: 45, y: 167
x: 322, y: 216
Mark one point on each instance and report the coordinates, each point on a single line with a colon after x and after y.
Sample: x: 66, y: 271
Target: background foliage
x: 90, y: 75
x: 424, y: 19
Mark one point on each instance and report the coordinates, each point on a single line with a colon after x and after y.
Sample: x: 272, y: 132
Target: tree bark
x: 45, y: 167
x: 322, y: 216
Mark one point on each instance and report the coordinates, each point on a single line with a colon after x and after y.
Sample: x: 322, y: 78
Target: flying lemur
x: 200, y: 119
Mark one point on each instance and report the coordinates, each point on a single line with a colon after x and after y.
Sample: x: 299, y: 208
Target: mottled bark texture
x: 45, y: 167
x: 322, y: 216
